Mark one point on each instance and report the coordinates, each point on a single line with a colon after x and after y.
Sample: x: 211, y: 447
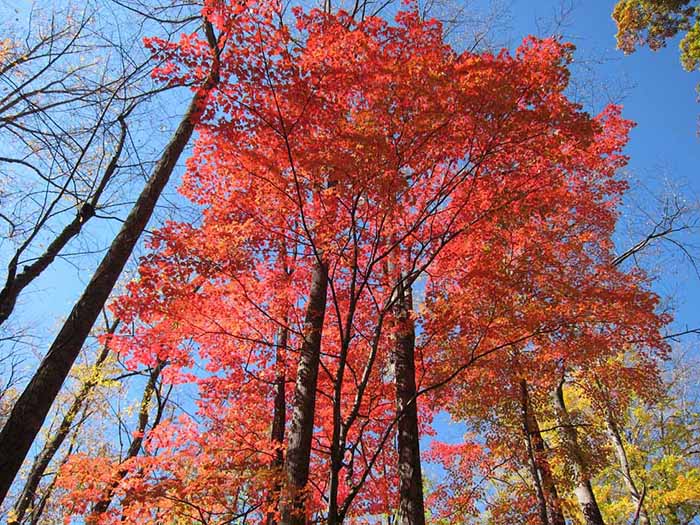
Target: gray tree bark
x: 549, y: 487
x: 621, y: 455
x: 551, y: 494
x: 582, y: 489
x: 531, y: 459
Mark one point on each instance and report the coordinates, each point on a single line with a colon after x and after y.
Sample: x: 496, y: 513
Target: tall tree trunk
x: 136, y: 443
x: 279, y: 416
x: 296, y: 465
x: 549, y: 487
x: 338, y: 443
x: 621, y: 454
x: 531, y: 459
x: 16, y: 282
x: 582, y: 490
x: 411, y: 506
x: 32, y: 407
x: 41, y: 463
x: 551, y: 494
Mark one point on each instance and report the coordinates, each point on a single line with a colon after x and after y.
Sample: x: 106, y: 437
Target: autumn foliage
x: 376, y: 149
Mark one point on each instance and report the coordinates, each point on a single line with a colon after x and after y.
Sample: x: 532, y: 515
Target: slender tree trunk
x: 411, y: 506
x: 16, y: 282
x: 135, y: 447
x: 279, y: 417
x: 337, y: 449
x: 549, y: 487
x: 336, y: 464
x: 38, y: 511
x: 303, y: 409
x: 531, y: 459
x: 336, y: 515
x: 41, y: 463
x: 621, y: 454
x: 30, y: 410
x: 551, y: 494
x: 583, y: 490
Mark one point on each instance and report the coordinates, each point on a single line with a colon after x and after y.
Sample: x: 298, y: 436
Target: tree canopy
x: 376, y: 231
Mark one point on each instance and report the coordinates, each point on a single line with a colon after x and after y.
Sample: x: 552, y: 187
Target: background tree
x: 653, y: 22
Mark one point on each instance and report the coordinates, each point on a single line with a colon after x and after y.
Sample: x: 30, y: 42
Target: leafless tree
x: 33, y: 405
x: 69, y: 113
